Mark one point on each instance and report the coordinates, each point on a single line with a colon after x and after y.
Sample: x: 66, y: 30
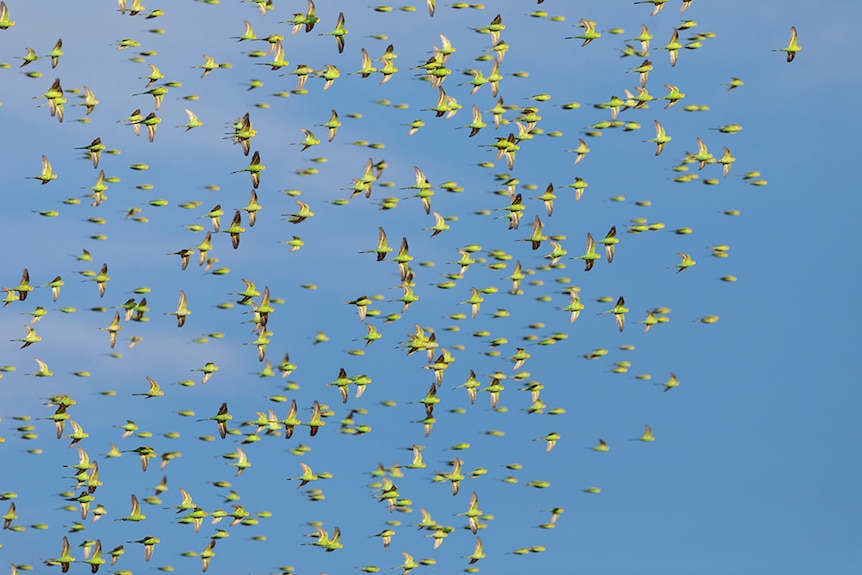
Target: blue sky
x: 753, y: 467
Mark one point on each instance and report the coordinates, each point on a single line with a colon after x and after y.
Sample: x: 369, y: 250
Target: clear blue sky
x: 754, y: 466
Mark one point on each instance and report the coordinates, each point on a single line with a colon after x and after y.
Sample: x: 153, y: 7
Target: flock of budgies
x: 356, y: 321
